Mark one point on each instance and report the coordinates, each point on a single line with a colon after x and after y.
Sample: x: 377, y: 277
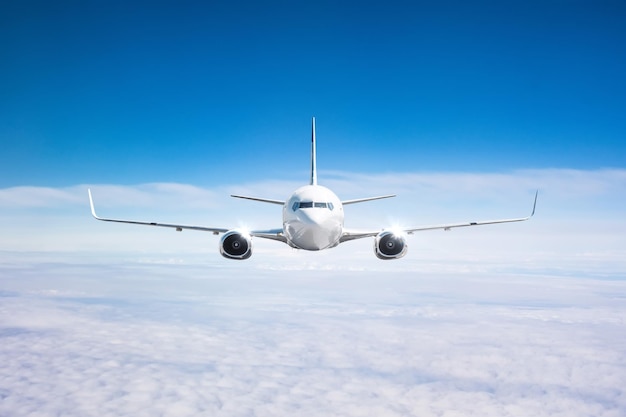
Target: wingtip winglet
x: 93, y: 209
x: 534, y: 204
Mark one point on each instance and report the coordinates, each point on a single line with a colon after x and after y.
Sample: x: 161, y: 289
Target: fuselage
x: 313, y: 218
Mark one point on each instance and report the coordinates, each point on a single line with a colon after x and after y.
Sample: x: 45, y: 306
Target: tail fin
x: 313, y: 156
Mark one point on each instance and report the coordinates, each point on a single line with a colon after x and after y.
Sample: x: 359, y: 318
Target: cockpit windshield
x: 310, y: 204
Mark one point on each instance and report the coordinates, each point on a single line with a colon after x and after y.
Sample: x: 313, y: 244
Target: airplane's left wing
x: 352, y: 234
x: 477, y: 223
x: 178, y: 227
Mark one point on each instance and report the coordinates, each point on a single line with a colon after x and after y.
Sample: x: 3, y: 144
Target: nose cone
x: 313, y: 218
x: 314, y: 230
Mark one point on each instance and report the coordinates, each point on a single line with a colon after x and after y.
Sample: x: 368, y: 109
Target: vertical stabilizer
x: 313, y: 156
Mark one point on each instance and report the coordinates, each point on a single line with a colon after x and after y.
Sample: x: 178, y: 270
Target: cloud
x: 558, y: 182
x: 579, y: 224
x: 19, y: 197
x: 143, y: 195
x: 228, y: 340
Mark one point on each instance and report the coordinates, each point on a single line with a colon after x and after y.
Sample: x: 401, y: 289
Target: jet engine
x: 236, y: 244
x: 390, y: 245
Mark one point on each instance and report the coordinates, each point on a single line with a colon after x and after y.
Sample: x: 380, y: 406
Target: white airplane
x: 313, y: 219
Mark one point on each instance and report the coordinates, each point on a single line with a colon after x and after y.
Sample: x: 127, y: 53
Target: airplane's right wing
x: 178, y: 227
x: 272, y: 234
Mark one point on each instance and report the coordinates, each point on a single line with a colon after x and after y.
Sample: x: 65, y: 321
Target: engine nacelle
x: 236, y: 244
x: 390, y: 245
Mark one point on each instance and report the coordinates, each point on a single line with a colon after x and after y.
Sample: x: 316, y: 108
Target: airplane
x: 313, y: 220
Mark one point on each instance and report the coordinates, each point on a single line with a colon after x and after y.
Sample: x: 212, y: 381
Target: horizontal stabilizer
x: 263, y: 200
x: 360, y: 200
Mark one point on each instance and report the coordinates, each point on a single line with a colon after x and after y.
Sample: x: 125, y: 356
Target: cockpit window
x: 310, y: 204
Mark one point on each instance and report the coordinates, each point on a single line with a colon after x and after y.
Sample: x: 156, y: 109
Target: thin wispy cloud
x: 557, y: 182
x: 143, y: 195
x: 579, y: 213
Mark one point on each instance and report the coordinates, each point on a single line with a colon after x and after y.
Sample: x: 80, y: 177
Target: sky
x: 122, y: 92
x: 164, y: 110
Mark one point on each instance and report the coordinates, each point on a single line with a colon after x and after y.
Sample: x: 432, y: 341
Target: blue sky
x: 107, y: 92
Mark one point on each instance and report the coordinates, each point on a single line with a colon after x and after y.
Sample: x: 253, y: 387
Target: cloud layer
x: 579, y: 227
x: 525, y: 319
x: 129, y: 339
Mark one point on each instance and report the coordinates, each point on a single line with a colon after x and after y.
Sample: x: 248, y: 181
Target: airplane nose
x: 313, y: 229
x: 311, y: 217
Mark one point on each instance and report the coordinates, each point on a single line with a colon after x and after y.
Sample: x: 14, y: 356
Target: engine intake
x: 236, y: 244
x: 390, y: 245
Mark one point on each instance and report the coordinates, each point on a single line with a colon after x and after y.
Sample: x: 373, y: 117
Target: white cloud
x: 144, y: 195
x: 579, y: 221
x: 19, y: 197
x: 525, y: 319
x: 128, y: 339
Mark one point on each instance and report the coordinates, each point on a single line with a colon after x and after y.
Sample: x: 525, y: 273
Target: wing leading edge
x: 272, y: 234
x: 352, y: 235
x: 178, y: 227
